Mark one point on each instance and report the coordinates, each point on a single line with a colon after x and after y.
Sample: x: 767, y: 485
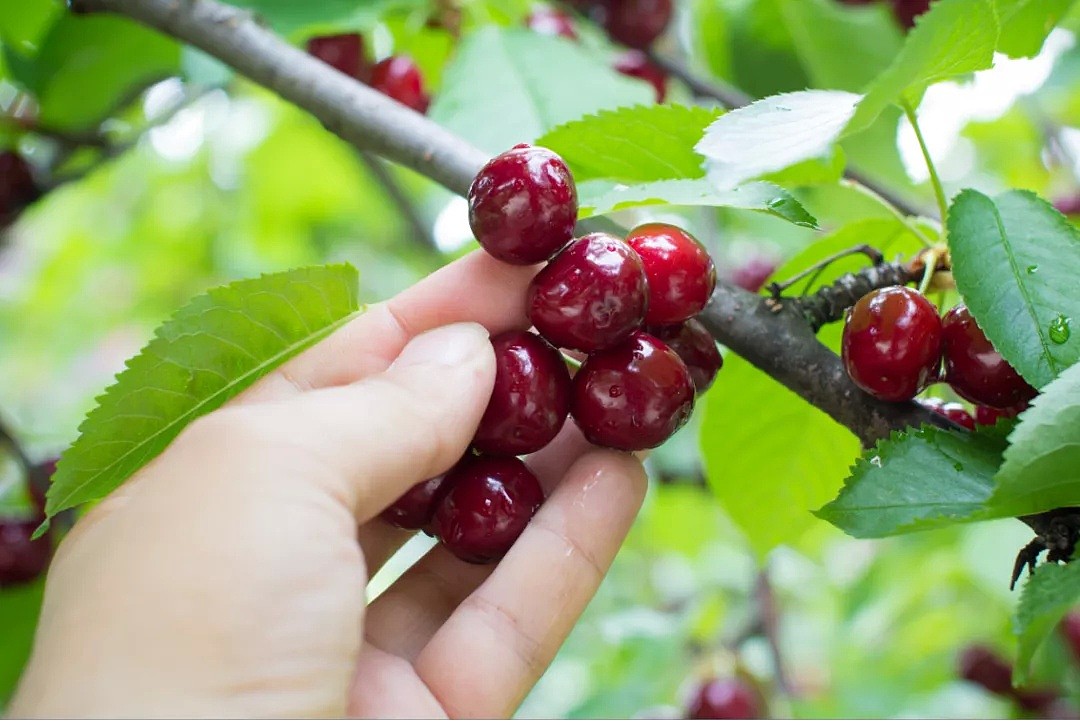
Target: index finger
x: 474, y: 288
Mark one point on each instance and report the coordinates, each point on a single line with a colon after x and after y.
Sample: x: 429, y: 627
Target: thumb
x: 394, y: 429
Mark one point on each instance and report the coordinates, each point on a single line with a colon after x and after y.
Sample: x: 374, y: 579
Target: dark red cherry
x: 523, y: 205
x: 985, y: 667
x: 987, y: 416
x: 953, y: 411
x: 549, y: 21
x: 974, y: 369
x: 1068, y: 204
x: 727, y: 698
x: 753, y: 274
x: 633, y: 395
x: 907, y: 10
x: 696, y: 347
x: 636, y: 64
x: 591, y: 295
x: 344, y: 53
x: 21, y: 559
x: 1070, y: 630
x: 416, y: 507
x: 490, y: 502
x: 891, y: 345
x: 17, y: 186
x: 680, y: 271
x: 398, y: 77
x: 636, y: 23
x: 531, y: 397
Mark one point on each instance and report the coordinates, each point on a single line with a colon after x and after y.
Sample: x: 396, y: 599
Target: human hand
x: 227, y: 578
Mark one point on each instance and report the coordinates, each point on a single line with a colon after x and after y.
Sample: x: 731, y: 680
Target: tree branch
x: 733, y: 98
x: 421, y: 232
x: 781, y: 344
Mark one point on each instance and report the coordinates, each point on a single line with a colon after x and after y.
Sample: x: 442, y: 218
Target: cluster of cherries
x: 21, y: 559
x: 630, y: 23
x: 397, y: 76
x: 627, y: 306
x: 905, y: 10
x: 895, y: 344
x: 17, y: 186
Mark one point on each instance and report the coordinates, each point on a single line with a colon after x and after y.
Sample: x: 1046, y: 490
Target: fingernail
x: 450, y: 345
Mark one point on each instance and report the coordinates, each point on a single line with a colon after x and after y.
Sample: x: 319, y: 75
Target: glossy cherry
x: 955, y: 412
x: 344, y: 53
x: 398, y: 77
x: 490, y: 502
x: 985, y: 667
x: 727, y: 698
x: 907, y: 10
x: 636, y: 64
x: 987, y: 416
x: 17, y: 186
x: 891, y: 344
x: 523, y: 205
x: 21, y: 559
x: 549, y: 21
x: 633, y: 395
x: 591, y: 295
x: 416, y: 507
x: 693, y: 343
x: 680, y: 271
x: 531, y: 397
x: 636, y: 23
x: 754, y: 273
x: 974, y: 369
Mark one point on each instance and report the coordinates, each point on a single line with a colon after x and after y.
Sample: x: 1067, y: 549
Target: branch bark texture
x: 779, y: 343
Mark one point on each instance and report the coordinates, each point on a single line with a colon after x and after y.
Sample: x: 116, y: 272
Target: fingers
x: 371, y: 440
x: 510, y: 628
x: 475, y: 288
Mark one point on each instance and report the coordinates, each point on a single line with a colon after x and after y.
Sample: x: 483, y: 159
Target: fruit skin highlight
x: 679, y: 270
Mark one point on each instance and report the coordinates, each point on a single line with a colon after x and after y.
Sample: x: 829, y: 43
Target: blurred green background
x: 205, y: 178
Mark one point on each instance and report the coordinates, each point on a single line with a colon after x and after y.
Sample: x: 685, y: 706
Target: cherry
x: 17, y: 186
x: 531, y: 397
x: 523, y: 205
x: 725, y: 699
x: 591, y: 295
x: 753, y: 274
x: 987, y: 416
x: 21, y: 559
x: 636, y: 23
x: 907, y: 10
x: 549, y: 21
x: 891, y: 344
x: 1068, y: 204
x: 974, y: 369
x: 633, y: 395
x: 680, y: 273
x: 416, y: 507
x: 344, y: 53
x: 490, y: 502
x: 1070, y: 629
x: 636, y: 64
x: 953, y: 411
x: 983, y: 666
x: 398, y: 77
x: 695, y: 345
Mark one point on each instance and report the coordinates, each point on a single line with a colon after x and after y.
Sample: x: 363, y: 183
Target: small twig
x: 421, y: 231
x: 869, y: 251
x: 7, y: 437
x: 770, y: 625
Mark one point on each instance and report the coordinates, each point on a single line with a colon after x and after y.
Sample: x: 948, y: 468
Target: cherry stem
x: 817, y: 268
x: 572, y: 363
x: 932, y: 257
x: 904, y: 220
x: 935, y: 180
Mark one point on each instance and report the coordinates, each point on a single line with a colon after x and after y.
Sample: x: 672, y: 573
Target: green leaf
x: 1026, y: 23
x: 769, y: 469
x: 869, y: 36
x: 598, y: 197
x: 953, y: 38
x: 1048, y: 595
x: 87, y: 64
x: 289, y: 17
x: 774, y: 133
x: 23, y: 23
x: 209, y: 351
x: 530, y: 83
x: 1016, y: 260
x: 633, y: 145
x: 1042, y: 464
x: 22, y: 606
x: 917, y: 480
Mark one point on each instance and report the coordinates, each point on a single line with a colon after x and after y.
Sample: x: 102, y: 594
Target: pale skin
x: 227, y: 578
